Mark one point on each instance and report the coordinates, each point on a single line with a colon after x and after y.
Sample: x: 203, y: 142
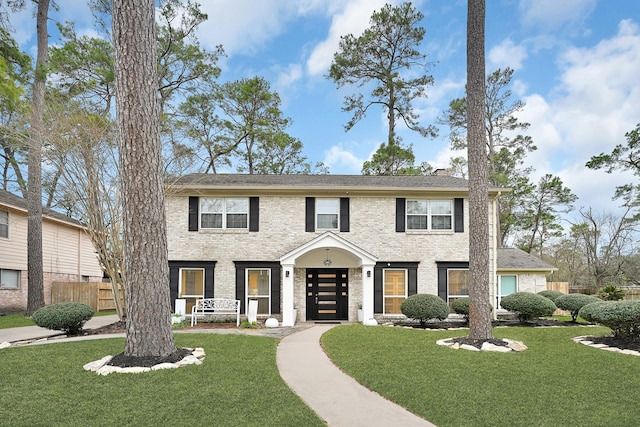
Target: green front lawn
x: 556, y: 382
x: 237, y: 385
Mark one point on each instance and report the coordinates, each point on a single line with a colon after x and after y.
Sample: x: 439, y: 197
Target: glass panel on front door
x: 327, y: 294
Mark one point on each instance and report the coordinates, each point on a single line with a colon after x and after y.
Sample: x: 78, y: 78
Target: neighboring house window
x: 224, y: 213
x: 9, y: 279
x: 457, y: 284
x: 395, y: 290
x: 327, y: 214
x: 4, y: 224
x: 507, y: 285
x: 258, y: 288
x: 429, y: 215
x: 191, y: 286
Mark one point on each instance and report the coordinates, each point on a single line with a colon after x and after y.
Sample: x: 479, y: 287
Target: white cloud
x: 506, y: 54
x: 341, y: 161
x: 353, y: 18
x: 555, y: 14
x: 588, y: 113
x: 246, y: 25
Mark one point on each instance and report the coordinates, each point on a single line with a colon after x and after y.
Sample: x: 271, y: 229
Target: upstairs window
x: 224, y: 213
x: 327, y: 214
x: 429, y: 215
x: 4, y: 224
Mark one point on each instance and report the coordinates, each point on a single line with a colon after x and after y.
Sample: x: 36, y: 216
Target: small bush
x: 611, y: 293
x: 423, y: 307
x: 65, y: 316
x: 623, y: 317
x: 461, y: 306
x: 551, y: 294
x: 574, y: 302
x: 528, y: 305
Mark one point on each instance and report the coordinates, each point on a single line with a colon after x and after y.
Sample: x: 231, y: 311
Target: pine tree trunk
x: 35, y: 291
x: 148, y: 308
x: 479, y: 268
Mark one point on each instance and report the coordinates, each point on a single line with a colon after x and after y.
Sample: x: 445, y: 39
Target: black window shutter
x: 209, y: 286
x: 310, y: 214
x: 254, y: 214
x: 400, y: 214
x: 377, y: 290
x: 240, y: 288
x: 174, y: 278
x: 458, y: 215
x: 275, y: 290
x: 412, y: 287
x: 194, y: 204
x: 344, y: 214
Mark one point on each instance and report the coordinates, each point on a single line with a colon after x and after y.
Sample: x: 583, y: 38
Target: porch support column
x: 367, y: 292
x: 287, y: 295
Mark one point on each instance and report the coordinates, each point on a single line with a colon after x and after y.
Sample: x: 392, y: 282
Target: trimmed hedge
x: 528, y: 305
x: 551, y: 294
x: 461, y: 306
x: 423, y: 307
x: 574, y: 302
x: 623, y: 317
x: 65, y: 316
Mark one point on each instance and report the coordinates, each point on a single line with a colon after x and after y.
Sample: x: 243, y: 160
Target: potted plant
x: 360, y: 315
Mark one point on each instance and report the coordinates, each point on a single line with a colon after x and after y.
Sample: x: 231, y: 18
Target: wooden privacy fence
x: 558, y: 286
x: 97, y: 295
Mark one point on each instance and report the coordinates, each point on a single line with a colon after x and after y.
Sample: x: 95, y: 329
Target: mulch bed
x: 119, y: 327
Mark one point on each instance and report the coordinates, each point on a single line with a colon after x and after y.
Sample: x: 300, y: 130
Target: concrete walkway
x: 336, y: 397
x: 26, y: 333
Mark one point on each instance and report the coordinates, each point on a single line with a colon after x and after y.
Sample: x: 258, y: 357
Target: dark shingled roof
x: 9, y: 199
x: 342, y: 182
x: 516, y: 259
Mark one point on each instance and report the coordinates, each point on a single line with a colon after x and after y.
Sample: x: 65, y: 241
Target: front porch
x: 326, y: 279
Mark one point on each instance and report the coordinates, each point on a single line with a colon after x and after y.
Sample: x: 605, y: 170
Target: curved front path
x: 334, y: 396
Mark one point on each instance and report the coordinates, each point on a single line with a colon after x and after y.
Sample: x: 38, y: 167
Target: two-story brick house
x: 328, y: 244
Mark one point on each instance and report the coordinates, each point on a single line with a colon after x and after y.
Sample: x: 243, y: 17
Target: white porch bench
x: 215, y: 306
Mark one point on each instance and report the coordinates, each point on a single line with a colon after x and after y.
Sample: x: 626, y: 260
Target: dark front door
x: 327, y: 294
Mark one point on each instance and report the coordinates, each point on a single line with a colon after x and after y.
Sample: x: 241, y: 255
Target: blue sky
x: 576, y: 62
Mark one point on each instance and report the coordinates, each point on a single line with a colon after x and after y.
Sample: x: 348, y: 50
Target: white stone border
x: 512, y: 345
x: 101, y: 368
x: 586, y: 340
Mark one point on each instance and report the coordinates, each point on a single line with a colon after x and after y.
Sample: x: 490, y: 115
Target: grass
x: 237, y: 385
x: 18, y: 320
x: 556, y: 382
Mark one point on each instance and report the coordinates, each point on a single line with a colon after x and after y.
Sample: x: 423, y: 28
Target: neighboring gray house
x: 325, y: 245
x: 67, y: 252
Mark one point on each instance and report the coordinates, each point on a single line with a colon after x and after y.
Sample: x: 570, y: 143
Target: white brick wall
x: 282, y: 225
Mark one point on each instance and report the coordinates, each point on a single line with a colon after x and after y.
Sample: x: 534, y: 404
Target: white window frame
x: 449, y: 294
x: 4, y: 274
x: 4, y: 224
x: 180, y: 284
x: 226, y: 210
x: 430, y: 207
x: 327, y: 206
x: 384, y: 295
x: 499, y: 293
x: 258, y: 296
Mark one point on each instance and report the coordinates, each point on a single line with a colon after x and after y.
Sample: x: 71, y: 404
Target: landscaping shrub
x: 623, y: 317
x: 551, y: 294
x: 574, y: 302
x: 611, y: 293
x: 423, y: 307
x: 65, y: 316
x: 461, y: 306
x: 528, y: 305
